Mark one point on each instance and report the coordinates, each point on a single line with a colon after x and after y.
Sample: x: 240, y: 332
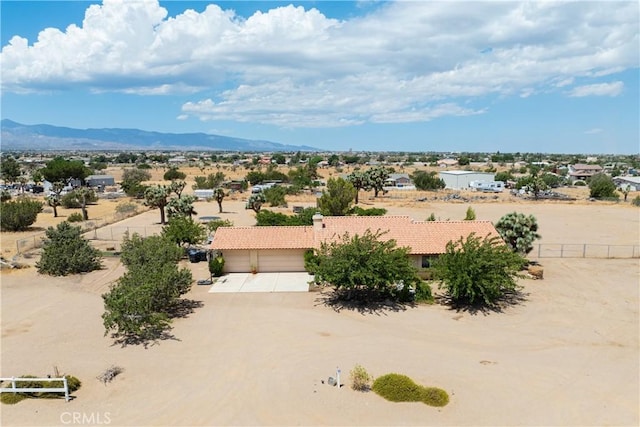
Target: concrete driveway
x: 262, y: 282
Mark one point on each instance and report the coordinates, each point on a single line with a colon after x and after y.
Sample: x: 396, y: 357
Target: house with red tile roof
x: 282, y: 248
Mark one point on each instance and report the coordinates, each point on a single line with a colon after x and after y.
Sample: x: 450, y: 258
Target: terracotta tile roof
x: 422, y: 237
x: 280, y: 237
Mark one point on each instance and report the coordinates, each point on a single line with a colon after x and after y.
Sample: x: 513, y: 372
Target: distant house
x: 445, y: 163
x: 282, y: 248
x: 632, y: 181
x: 99, y: 181
x: 582, y: 172
x: 398, y: 180
x: 461, y: 180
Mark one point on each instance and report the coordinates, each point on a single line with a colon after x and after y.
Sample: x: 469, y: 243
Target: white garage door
x: 236, y: 261
x: 276, y: 260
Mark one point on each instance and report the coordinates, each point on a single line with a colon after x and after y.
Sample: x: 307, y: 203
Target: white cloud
x: 405, y: 61
x: 599, y: 89
x: 593, y: 131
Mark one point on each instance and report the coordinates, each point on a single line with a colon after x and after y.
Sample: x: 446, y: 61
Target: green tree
x: 427, y: 181
x: 181, y: 206
x: 275, y: 196
x: 366, y: 267
x: 62, y: 170
x: 255, y: 202
x: 504, y: 176
x: 377, y: 177
x: 36, y: 176
x: 9, y: 169
x: 533, y: 182
x: 336, y: 200
x: 157, y: 196
x: 174, y: 174
x: 132, y: 180
x: 219, y: 194
x: 477, y: 271
x: 18, y: 214
x: 464, y: 160
x: 210, y: 182
x: 54, y: 199
x: 184, y: 231
x: 65, y: 252
x: 602, y: 186
x: 140, y: 306
x: 519, y: 231
x: 360, y: 181
x: 212, y: 226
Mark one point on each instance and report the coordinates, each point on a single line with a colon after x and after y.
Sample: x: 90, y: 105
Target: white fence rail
x: 14, y: 389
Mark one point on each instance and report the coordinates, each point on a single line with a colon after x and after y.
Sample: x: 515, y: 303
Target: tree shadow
x: 180, y: 309
x: 184, y: 307
x: 363, y: 301
x: 508, y: 299
x: 146, y: 341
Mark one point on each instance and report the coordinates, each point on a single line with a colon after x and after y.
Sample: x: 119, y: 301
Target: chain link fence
x: 585, y: 250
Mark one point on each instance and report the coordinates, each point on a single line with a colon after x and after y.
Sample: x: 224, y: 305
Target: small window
x: 427, y: 260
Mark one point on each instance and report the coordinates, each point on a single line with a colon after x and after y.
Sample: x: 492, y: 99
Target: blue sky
x: 381, y: 76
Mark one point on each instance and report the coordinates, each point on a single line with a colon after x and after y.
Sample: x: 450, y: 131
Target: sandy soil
x: 566, y: 355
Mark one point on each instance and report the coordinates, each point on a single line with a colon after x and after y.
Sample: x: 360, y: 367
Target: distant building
x: 582, y: 172
x: 461, y: 180
x: 445, y: 163
x: 632, y: 181
x: 398, y: 180
x: 100, y: 181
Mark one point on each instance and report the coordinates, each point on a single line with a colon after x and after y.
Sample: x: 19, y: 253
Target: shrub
x: 174, y: 174
x: 423, y: 292
x: 431, y: 217
x: 275, y: 196
x: 401, y: 388
x: 75, y: 217
x: 126, y: 207
x: 636, y: 201
x: 310, y: 261
x: 72, y: 200
x: 601, y: 186
x: 360, y: 378
x: 470, y: 215
x: 19, y: 214
x: 65, y: 252
x: 580, y: 183
x: 216, y: 265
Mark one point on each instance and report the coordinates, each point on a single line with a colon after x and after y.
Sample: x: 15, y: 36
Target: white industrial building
x: 460, y: 180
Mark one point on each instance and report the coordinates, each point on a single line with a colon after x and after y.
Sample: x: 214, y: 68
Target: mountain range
x: 43, y: 137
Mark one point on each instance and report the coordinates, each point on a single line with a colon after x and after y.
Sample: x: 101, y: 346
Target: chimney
x: 317, y: 222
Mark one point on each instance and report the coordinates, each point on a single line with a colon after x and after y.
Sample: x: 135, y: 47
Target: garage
x: 277, y: 260
x: 264, y: 260
x: 236, y: 261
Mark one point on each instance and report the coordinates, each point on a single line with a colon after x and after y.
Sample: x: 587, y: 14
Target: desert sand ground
x: 566, y: 355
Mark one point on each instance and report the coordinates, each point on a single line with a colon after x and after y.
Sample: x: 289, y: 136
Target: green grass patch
x: 401, y: 388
